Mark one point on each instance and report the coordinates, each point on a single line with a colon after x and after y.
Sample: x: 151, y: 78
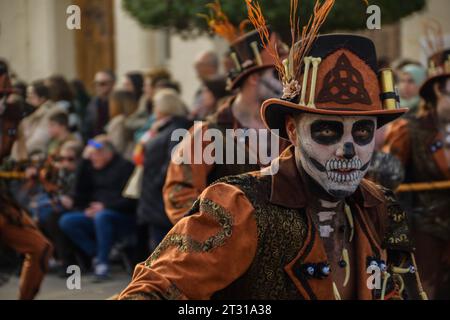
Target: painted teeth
x: 340, y: 178
x: 354, y: 164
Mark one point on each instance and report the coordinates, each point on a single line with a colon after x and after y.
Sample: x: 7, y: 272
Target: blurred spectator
x: 121, y: 105
x: 101, y: 214
x: 49, y: 206
x: 154, y: 153
x: 138, y: 119
x: 82, y: 98
x: 212, y: 94
x: 97, y: 113
x: 411, y: 77
x: 33, y: 135
x: 206, y: 66
x: 227, y: 63
x: 167, y: 84
x: 158, y: 84
x: 401, y: 62
x: 63, y: 97
x: 59, y: 132
x: 134, y: 82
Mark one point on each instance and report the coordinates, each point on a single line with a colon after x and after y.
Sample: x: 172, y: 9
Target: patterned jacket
x: 249, y: 237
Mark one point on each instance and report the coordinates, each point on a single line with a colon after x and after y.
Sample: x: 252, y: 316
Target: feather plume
x: 219, y: 23
x: 306, y: 34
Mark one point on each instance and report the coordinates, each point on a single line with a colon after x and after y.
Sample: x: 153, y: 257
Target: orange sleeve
x: 186, y: 181
x: 25, y: 238
x: 398, y: 141
x: 203, y: 253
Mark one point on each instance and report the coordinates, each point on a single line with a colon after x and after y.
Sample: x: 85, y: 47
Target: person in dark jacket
x: 102, y: 215
x: 170, y: 114
x: 97, y: 111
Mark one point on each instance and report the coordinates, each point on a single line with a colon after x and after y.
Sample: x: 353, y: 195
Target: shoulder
x: 252, y: 184
x: 232, y: 193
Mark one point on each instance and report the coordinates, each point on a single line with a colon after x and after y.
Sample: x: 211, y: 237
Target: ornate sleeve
x: 203, y: 253
x: 402, y: 276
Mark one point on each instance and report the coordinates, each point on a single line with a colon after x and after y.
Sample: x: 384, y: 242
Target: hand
x: 97, y: 206
x: 31, y: 172
x: 67, y: 202
x: 89, y: 212
x: 93, y: 209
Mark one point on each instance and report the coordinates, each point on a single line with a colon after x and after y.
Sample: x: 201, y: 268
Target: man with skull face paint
x: 313, y: 229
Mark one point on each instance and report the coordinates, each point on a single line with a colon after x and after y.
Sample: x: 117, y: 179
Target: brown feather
x: 307, y: 34
x: 219, y: 23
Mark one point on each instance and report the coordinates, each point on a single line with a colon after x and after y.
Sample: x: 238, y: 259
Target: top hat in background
x: 438, y: 68
x: 247, y: 51
x: 438, y: 61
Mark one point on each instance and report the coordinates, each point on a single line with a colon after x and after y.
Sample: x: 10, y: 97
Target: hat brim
x: 426, y: 90
x: 274, y: 111
x: 237, y: 82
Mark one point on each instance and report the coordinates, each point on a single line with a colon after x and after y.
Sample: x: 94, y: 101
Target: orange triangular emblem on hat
x: 344, y: 84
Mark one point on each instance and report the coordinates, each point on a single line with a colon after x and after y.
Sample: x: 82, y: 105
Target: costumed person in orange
x: 422, y: 143
x: 17, y: 230
x: 312, y: 229
x: 252, y: 81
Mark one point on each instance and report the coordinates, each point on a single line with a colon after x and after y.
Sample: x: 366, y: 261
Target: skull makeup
x: 336, y: 151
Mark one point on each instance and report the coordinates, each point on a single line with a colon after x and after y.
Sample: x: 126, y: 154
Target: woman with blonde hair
x: 152, y: 157
x: 121, y: 105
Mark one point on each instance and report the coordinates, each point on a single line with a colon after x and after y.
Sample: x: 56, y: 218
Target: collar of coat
x: 368, y: 207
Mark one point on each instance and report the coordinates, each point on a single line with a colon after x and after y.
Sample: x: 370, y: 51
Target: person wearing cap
x: 101, y: 216
x: 422, y: 144
x: 17, y: 230
x: 309, y: 226
x: 251, y: 82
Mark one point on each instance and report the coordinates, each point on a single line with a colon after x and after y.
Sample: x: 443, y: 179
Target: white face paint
x: 336, y: 151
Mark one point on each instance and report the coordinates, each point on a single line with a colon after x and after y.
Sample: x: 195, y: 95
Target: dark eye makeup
x: 327, y: 132
x: 363, y: 132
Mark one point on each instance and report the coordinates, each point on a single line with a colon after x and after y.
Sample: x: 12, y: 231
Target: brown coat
x: 247, y: 237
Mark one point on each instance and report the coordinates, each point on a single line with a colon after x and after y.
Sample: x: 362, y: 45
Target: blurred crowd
x: 81, y: 159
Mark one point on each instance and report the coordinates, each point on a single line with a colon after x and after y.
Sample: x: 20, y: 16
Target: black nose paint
x: 349, y: 150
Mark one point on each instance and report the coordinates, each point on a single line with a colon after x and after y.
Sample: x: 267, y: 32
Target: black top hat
x: 249, y: 56
x: 338, y: 76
